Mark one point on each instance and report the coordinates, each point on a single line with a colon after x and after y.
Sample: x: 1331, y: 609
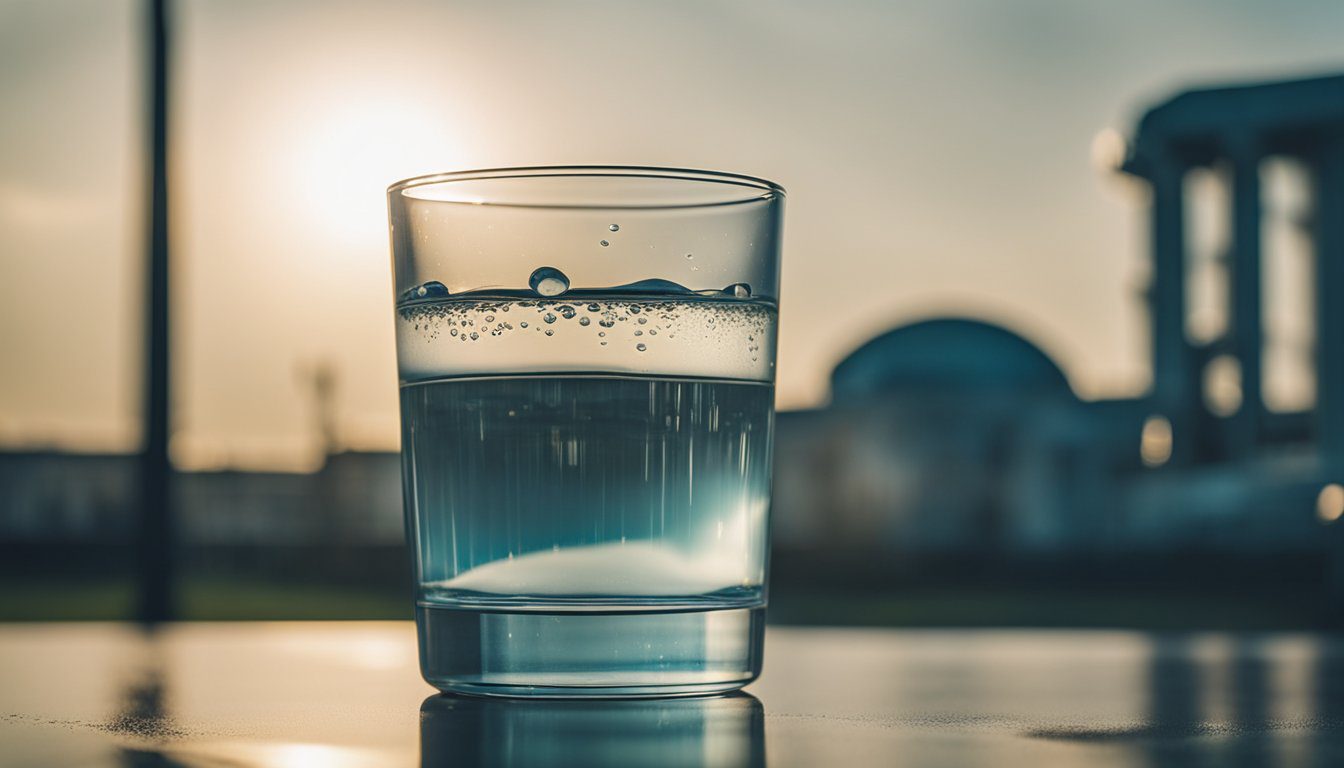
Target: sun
x: 347, y: 153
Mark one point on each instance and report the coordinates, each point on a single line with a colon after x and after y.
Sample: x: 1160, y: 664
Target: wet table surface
x: 348, y: 694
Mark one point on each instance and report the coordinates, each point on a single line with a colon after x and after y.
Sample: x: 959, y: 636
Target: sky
x: 938, y: 158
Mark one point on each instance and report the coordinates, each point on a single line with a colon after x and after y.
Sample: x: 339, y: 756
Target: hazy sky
x: 936, y: 155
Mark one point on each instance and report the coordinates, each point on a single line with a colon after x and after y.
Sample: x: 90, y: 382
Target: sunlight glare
x: 343, y: 169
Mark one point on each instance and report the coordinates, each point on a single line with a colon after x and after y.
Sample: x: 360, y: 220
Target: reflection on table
x: 717, y: 731
x: 348, y: 695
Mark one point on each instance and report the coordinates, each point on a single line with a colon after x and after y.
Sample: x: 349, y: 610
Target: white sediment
x: 617, y: 568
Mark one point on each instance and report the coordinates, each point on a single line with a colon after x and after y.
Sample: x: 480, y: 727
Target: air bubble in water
x: 615, y: 227
x: 738, y: 291
x: 548, y: 281
x: 430, y: 290
x: 641, y: 346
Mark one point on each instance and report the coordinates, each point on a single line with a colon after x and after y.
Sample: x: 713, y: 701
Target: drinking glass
x: 587, y: 361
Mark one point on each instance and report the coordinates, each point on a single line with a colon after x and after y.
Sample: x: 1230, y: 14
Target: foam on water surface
x: 728, y: 337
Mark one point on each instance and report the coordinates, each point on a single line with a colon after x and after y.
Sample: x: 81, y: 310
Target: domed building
x: 950, y: 355
x: 946, y: 437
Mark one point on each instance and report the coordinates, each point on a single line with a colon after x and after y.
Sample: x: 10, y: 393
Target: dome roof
x: 947, y: 354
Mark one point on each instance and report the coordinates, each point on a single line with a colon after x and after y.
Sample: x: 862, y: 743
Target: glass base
x: 607, y: 653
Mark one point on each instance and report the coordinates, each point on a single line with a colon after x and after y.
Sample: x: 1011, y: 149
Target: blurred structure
x: 1247, y: 471
x: 950, y: 437
x: 956, y: 438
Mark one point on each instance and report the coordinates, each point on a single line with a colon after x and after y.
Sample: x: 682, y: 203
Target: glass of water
x: 587, y: 365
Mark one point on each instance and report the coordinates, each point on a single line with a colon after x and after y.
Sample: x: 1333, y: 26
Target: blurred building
x: 952, y: 436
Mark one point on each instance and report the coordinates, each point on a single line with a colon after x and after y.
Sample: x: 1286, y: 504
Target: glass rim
x: 755, y: 189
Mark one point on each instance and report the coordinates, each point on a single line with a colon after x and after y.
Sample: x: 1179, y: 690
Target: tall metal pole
x: 155, y: 582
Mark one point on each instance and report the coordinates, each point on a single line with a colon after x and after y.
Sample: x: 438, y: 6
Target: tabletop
x: 347, y: 694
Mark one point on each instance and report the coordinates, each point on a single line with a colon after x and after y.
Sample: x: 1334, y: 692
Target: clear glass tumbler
x: 587, y: 365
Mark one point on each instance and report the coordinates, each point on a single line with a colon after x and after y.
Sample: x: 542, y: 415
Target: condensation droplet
x: 452, y: 332
x: 641, y: 346
x: 523, y: 324
x: 593, y: 308
x: 474, y: 336
x: 615, y: 227
x: 584, y: 321
x: 601, y: 333
x: 604, y: 243
x: 548, y: 281
x: 639, y: 333
x: 549, y: 332
x: 566, y: 312
x: 643, y: 320
x: 549, y: 318
x: 738, y: 291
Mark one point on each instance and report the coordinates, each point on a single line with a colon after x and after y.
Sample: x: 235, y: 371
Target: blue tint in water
x: 596, y: 489
x: 580, y: 529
